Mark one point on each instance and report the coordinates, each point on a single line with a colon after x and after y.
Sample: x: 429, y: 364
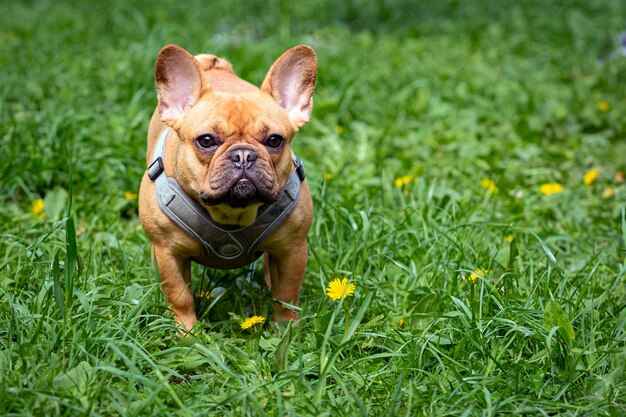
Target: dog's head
x: 234, y: 152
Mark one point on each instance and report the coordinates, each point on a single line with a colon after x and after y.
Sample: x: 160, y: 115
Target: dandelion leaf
x: 553, y: 315
x: 76, y: 380
x: 281, y: 359
x: 54, y: 203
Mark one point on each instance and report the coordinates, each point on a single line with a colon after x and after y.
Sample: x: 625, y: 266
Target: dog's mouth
x: 240, y: 195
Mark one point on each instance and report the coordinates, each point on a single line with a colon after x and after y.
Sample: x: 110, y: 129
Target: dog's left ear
x: 291, y: 82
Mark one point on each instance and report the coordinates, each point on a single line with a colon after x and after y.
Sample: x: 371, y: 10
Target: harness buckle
x: 155, y: 169
x: 300, y: 168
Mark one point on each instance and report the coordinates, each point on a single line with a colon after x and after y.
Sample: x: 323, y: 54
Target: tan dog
x: 229, y: 148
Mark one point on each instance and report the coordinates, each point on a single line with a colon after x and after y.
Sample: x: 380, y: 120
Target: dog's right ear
x: 178, y: 83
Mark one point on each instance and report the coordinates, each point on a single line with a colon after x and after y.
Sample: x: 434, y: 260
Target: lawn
x: 467, y: 164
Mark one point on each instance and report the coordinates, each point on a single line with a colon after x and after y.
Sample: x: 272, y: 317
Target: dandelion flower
x: 489, y: 185
x: 328, y: 176
x: 402, y: 181
x: 508, y: 238
x: 591, y: 176
x: 252, y: 321
x: 603, y: 106
x: 204, y: 294
x: 608, y: 192
x: 37, y: 208
x: 338, y: 289
x: 192, y: 332
x: 479, y: 273
x: 130, y: 196
x: 552, y: 188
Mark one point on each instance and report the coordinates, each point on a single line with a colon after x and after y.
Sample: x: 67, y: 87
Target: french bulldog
x: 227, y: 144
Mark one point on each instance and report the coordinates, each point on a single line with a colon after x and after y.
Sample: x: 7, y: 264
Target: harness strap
x: 223, y: 247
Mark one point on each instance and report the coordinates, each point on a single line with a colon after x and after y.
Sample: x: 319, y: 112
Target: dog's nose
x: 243, y: 158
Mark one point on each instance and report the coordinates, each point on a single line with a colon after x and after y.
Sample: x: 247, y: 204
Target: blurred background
x: 502, y: 84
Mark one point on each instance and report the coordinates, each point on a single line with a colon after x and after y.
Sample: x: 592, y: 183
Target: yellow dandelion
x: 551, y: 188
x: 130, y: 196
x: 591, y: 176
x: 37, y: 208
x: 338, y: 289
x: 401, y: 322
x: 252, y: 321
x: 479, y: 273
x: 489, y: 185
x: 328, y: 176
x: 204, y: 294
x: 192, y: 332
x: 608, y: 192
x: 603, y: 106
x: 508, y: 238
x: 402, y: 181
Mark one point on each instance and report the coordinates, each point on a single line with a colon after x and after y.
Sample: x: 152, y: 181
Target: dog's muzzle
x: 242, y: 193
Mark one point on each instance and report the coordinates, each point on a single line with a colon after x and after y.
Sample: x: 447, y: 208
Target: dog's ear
x: 291, y: 82
x: 178, y: 82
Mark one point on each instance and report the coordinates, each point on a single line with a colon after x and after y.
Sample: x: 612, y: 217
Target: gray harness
x: 223, y: 247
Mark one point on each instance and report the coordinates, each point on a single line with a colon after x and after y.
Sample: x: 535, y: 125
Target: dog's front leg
x: 175, y: 275
x: 284, y: 273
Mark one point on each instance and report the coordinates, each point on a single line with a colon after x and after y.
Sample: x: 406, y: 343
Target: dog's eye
x: 274, y: 141
x: 206, y: 141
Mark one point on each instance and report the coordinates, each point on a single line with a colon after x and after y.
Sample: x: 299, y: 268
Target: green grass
x: 446, y: 92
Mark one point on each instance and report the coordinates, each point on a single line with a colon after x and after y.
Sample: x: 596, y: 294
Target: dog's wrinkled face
x: 234, y: 150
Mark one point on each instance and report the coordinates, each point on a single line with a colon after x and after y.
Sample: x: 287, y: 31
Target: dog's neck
x: 227, y: 215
